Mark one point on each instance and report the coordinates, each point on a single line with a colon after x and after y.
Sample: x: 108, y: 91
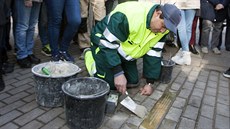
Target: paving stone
x: 191, y: 79
x: 179, y: 103
x: 213, y: 78
x: 117, y: 120
x: 9, y: 126
x: 134, y: 120
x: 202, y: 78
x: 176, y: 86
x: 222, y: 122
x: 24, y: 76
x: 149, y: 103
x: 207, y: 111
x: 22, y: 82
x: 200, y: 84
x: 223, y: 99
x: 195, y: 101
x: 128, y: 126
x: 167, y: 124
x: 212, y: 84
x: 29, y: 98
x: 174, y: 114
x: 210, y: 91
x: 223, y: 91
x: 224, y: 83
x: 15, y: 97
x: 10, y: 81
x: 2, y: 105
x: 32, y: 125
x: 162, y: 87
x: 223, y: 110
x: 209, y: 100
x: 28, y: 107
x: 204, y: 123
x: 51, y: 114
x: 191, y: 112
x: 19, y: 89
x: 186, y: 123
x: 188, y: 85
x: 27, y: 117
x: 180, y: 79
x: 156, y: 96
x: 4, y: 95
x: 184, y: 93
x: 9, y: 117
x: 11, y: 107
x: 54, y: 124
x: 198, y: 92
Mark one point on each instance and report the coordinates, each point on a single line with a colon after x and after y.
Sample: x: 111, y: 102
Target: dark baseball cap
x: 172, y: 17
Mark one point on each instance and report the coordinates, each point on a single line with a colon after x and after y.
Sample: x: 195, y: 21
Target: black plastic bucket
x: 48, y: 89
x: 166, y: 71
x: 85, y: 101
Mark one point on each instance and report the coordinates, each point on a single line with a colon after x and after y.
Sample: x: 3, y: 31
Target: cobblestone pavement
x: 197, y: 97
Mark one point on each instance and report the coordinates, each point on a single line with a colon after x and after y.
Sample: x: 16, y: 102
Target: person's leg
x: 98, y: 7
x: 83, y: 34
x: 205, y: 31
x: 21, y: 26
x: 227, y: 36
x: 2, y: 84
x: 54, y: 14
x: 43, y: 25
x: 72, y: 12
x: 109, y: 6
x: 217, y: 28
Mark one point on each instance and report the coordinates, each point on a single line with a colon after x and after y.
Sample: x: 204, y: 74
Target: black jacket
x: 4, y: 11
x: 208, y: 11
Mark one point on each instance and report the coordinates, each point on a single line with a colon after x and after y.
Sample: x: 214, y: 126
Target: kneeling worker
x: 132, y: 30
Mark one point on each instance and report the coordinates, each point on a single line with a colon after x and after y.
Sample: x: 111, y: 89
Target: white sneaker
x: 216, y: 51
x: 178, y: 55
x: 185, y: 59
x: 204, y: 50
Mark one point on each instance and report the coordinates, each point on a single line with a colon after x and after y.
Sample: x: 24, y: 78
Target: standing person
x: 4, y: 19
x: 43, y: 30
x: 213, y: 13
x: 99, y: 12
x: 26, y: 17
x: 227, y: 36
x: 188, y: 11
x: 132, y: 30
x: 56, y: 8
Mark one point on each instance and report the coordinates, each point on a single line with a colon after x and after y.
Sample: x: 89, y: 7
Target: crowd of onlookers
x: 61, y: 21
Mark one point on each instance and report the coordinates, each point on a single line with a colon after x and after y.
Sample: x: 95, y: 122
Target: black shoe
x: 227, y: 49
x: 55, y: 57
x: 33, y: 59
x: 7, y: 67
x: 24, y: 63
x: 65, y: 56
x: 2, y: 84
x: 193, y: 49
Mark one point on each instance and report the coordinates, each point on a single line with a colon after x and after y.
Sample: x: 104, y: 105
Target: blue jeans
x: 25, y: 20
x: 185, y: 27
x: 71, y: 9
x: 43, y: 25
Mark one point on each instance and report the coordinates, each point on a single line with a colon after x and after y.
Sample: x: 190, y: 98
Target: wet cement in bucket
x: 85, y: 101
x: 48, y: 87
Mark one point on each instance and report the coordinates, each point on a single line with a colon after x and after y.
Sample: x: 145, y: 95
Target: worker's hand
x: 219, y: 6
x: 28, y: 3
x: 120, y: 83
x: 146, y: 90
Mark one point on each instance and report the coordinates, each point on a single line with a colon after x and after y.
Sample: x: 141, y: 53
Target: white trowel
x: 137, y: 109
